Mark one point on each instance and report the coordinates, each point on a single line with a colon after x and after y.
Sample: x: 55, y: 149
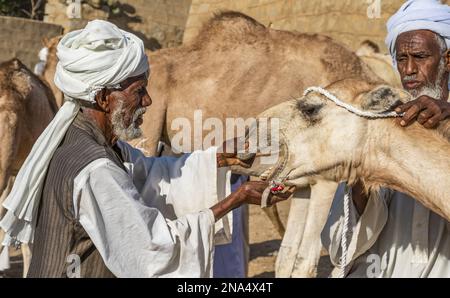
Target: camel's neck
x: 412, y: 160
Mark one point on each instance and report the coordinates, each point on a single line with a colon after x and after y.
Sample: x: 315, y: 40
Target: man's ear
x: 102, y: 98
x: 384, y: 98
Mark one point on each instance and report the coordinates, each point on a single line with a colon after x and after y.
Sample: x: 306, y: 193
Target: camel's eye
x: 309, y: 110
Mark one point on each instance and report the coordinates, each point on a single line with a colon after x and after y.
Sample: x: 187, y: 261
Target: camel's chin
x: 298, y: 182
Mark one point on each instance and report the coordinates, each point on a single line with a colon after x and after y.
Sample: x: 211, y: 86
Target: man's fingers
x: 410, y: 115
x: 273, y: 199
x: 405, y: 107
x: 425, y: 115
x: 433, y: 121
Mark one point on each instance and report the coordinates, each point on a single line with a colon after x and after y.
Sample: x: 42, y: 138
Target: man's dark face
x: 128, y: 106
x: 418, y: 60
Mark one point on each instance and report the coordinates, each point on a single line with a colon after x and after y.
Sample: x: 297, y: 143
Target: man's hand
x: 426, y: 110
x: 248, y: 193
x: 227, y: 154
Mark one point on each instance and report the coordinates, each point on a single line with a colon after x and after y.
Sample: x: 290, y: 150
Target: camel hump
x: 368, y: 48
x: 13, y: 64
x: 234, y: 18
x: 229, y: 27
x: 14, y: 75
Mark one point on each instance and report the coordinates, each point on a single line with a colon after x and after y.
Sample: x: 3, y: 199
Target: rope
x: 347, y: 196
x: 350, y: 108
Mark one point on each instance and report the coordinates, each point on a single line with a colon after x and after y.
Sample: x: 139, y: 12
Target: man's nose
x: 411, y: 67
x: 146, y: 99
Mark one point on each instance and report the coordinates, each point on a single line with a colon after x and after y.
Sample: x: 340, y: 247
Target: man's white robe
x: 396, y: 236
x: 154, y: 220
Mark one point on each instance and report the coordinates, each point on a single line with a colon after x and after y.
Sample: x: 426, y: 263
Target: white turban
x: 419, y: 15
x: 98, y: 56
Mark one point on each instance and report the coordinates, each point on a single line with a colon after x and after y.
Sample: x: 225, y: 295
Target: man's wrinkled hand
x: 426, y: 110
x: 227, y: 155
x: 251, y: 193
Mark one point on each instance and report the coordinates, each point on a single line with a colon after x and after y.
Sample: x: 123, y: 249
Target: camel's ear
x: 384, y: 98
x: 368, y: 47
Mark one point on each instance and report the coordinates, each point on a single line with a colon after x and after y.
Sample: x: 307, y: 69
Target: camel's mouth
x: 269, y: 164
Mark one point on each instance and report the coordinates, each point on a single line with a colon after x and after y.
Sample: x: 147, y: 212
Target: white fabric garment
x: 396, y: 236
x: 100, y: 55
x: 153, y: 221
x: 40, y: 66
x: 418, y: 15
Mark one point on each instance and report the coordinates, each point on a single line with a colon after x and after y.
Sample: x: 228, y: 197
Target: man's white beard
x: 126, y: 133
x: 432, y: 90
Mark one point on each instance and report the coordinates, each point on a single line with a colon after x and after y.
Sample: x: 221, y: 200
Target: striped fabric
x: 58, y: 233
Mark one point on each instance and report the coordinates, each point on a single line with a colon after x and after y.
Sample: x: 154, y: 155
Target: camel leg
x: 4, y: 194
x: 26, y: 254
x: 309, y: 252
x: 25, y: 249
x: 294, y: 233
x: 8, y: 128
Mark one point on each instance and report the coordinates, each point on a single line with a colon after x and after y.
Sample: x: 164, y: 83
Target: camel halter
x: 350, y: 108
x: 348, y: 193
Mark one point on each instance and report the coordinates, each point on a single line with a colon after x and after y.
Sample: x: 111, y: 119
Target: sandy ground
x: 264, y: 244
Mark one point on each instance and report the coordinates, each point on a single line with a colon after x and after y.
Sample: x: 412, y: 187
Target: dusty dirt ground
x: 264, y: 244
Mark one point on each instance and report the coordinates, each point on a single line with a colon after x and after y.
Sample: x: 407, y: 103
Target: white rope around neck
x: 350, y: 108
x: 348, y: 194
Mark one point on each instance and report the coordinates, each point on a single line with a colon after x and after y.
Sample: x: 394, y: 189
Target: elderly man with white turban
x: 391, y: 234
x: 92, y: 205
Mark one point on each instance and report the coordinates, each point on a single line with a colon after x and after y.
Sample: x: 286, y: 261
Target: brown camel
x: 379, y: 63
x: 27, y: 106
x: 236, y: 67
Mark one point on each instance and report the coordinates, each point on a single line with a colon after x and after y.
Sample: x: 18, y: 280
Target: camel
x: 380, y: 64
x: 237, y: 68
x: 50, y: 68
x: 27, y: 106
x: 327, y: 142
